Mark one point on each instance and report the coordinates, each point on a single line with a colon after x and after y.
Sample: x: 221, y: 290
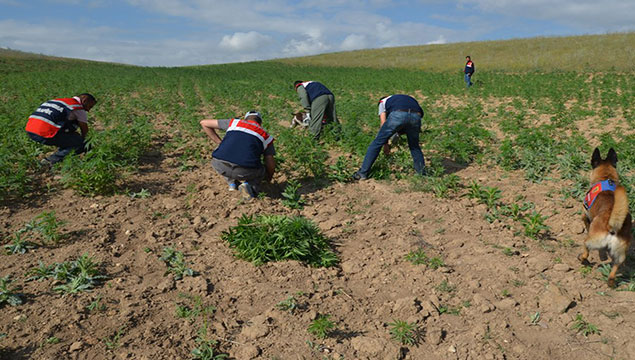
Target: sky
x: 199, y: 32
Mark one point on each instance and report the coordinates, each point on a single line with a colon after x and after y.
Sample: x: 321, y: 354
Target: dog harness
x: 597, y: 188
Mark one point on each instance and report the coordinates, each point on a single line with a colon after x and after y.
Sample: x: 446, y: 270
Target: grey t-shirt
x: 224, y: 125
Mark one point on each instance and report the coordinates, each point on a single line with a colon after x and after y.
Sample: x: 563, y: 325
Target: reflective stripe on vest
x: 51, y: 116
x: 596, y: 189
x: 252, y: 128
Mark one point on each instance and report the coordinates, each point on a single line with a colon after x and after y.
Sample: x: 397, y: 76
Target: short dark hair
x: 89, y: 97
x: 254, y: 118
x: 382, y: 98
x: 296, y: 83
x: 468, y: 57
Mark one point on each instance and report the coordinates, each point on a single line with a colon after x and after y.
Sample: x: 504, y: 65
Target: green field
x: 518, y: 120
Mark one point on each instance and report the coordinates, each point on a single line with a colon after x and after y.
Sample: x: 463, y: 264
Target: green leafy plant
x: 96, y: 305
x: 290, y: 305
x: 291, y: 197
x: 321, y: 326
x: 445, y: 286
x: 267, y: 238
x: 534, y: 225
x: 175, y: 261
x: 75, y: 276
x: 18, y: 245
x: 141, y: 194
x: 206, y: 349
x: 8, y: 293
x: 404, y: 332
x: 196, y: 309
x: 417, y: 257
x: 340, y: 171
x: 584, y: 327
x: 112, y: 342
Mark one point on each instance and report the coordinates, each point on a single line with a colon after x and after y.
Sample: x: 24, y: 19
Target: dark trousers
x: 65, y: 141
x: 232, y: 172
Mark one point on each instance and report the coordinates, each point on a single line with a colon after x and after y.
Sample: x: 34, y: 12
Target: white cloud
x: 307, y: 46
x: 355, y: 42
x: 241, y: 41
x: 439, y: 40
x: 587, y: 15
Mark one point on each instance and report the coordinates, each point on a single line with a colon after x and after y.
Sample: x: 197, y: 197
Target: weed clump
x: 8, y: 293
x: 175, y: 261
x: 267, y: 238
x: 321, y: 327
x: 75, y: 276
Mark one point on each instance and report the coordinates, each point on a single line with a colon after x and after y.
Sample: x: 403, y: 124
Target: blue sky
x: 193, y: 32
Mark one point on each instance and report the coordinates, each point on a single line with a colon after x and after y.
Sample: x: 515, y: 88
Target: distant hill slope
x: 579, y: 53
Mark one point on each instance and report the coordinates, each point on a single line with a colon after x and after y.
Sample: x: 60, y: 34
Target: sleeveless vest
x: 48, y: 119
x: 244, y: 143
x: 315, y: 89
x: 401, y: 102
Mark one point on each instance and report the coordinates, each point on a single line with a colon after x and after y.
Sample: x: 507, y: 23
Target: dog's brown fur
x: 608, y: 221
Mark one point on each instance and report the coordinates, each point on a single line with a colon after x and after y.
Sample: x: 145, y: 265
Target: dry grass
x: 579, y: 53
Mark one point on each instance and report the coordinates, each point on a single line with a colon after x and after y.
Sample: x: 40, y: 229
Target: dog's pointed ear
x: 612, y: 157
x: 596, y: 158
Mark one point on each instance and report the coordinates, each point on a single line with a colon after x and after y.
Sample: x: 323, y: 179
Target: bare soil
x: 478, y: 306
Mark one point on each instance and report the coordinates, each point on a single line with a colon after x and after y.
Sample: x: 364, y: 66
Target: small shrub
x: 267, y: 238
x: 196, y: 309
x: 8, y: 293
x: 18, y: 245
x: 534, y: 224
x: 340, y: 171
x: 175, y: 261
x: 290, y: 304
x: 76, y: 276
x: 584, y: 327
x: 404, y: 332
x: 417, y: 257
x: 292, y: 199
x: 321, y: 327
x: 206, y: 349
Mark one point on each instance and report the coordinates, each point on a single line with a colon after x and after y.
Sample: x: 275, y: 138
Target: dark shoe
x: 357, y: 176
x: 46, y: 164
x: 248, y: 190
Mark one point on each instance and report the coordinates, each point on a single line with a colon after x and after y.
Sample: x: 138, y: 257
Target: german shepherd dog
x: 607, y: 219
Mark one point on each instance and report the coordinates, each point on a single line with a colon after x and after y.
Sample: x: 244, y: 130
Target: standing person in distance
x: 238, y: 155
x: 469, y: 71
x: 397, y: 114
x: 319, y: 101
x: 55, y: 123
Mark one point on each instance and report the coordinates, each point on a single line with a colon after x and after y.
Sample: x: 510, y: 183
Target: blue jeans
x: 66, y: 141
x: 468, y: 80
x: 397, y: 121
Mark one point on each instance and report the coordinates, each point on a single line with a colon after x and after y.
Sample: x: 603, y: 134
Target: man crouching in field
x: 55, y: 123
x: 238, y: 155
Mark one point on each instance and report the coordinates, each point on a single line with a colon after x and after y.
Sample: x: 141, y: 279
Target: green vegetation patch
x: 265, y: 238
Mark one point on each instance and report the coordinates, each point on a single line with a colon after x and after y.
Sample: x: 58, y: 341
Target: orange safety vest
x: 47, y: 120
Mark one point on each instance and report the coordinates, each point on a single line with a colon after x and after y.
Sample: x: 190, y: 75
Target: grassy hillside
x: 574, y: 53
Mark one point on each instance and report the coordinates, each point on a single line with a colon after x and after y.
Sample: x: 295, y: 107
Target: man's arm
x: 83, y: 127
x: 270, y: 167
x: 382, y: 120
x: 209, y: 126
x: 304, y: 98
